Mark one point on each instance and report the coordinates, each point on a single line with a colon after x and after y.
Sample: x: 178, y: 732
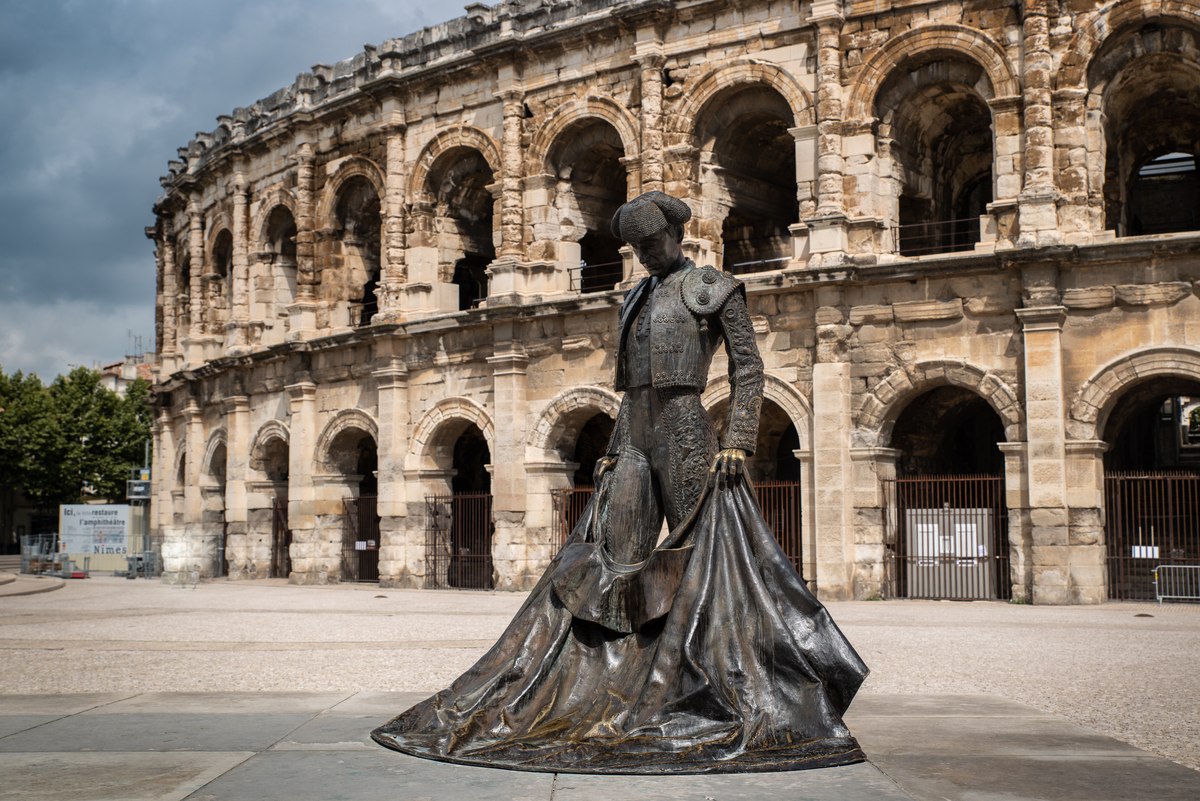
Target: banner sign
x: 87, y: 529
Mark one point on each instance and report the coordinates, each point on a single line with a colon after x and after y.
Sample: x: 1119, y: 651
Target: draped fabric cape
x: 745, y: 671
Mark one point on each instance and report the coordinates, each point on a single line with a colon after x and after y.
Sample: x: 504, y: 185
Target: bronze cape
x: 741, y: 670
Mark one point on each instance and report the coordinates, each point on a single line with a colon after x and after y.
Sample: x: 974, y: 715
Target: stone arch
x: 926, y: 41
x: 446, y: 411
x: 353, y: 167
x: 276, y: 197
x: 883, y: 406
x: 1111, y: 21
x: 554, y: 419
x: 459, y: 136
x: 1098, y: 396
x: 742, y: 72
x: 344, y: 420
x: 221, y: 221
x: 271, y: 430
x: 776, y: 390
x: 577, y: 111
x: 216, y: 441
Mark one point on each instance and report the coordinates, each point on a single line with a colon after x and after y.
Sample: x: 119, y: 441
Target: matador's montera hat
x: 648, y: 214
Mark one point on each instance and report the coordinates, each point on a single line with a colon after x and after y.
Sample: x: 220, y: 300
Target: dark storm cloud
x: 97, y: 96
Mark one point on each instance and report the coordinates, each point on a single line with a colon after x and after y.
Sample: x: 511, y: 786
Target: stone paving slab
x: 298, y: 746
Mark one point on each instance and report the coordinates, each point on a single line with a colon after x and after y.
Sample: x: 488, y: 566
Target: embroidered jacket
x: 692, y: 311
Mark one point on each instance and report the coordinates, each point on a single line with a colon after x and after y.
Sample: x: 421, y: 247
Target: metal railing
x: 589, y: 278
x: 936, y: 236
x: 281, y: 540
x: 568, y: 509
x: 458, y: 541
x: 1177, y: 583
x: 1151, y: 519
x: 949, y: 536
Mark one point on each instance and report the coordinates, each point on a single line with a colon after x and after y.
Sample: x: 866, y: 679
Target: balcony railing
x: 937, y: 236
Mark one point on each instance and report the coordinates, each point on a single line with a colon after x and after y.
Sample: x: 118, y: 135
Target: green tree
x: 98, y: 436
x: 25, y: 424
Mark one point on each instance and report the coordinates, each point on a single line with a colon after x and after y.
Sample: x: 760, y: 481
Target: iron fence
x: 360, y: 539
x: 281, y: 540
x: 1151, y: 519
x: 949, y: 537
x: 589, y: 278
x: 779, y: 502
x: 458, y: 541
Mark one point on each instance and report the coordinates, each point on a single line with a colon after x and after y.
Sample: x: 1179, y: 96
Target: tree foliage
x: 72, y: 440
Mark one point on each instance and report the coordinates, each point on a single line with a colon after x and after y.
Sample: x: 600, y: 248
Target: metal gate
x: 1151, y: 519
x: 779, y: 502
x: 360, y: 539
x: 281, y: 540
x: 949, y: 536
x: 458, y: 541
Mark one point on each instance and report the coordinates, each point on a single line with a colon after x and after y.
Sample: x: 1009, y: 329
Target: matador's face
x: 658, y: 252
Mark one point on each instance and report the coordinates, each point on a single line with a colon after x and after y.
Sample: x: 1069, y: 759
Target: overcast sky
x: 97, y: 95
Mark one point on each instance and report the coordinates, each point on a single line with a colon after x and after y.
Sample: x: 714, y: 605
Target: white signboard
x: 87, y: 529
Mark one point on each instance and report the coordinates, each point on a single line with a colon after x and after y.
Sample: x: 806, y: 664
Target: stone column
x: 302, y: 410
x: 651, y: 61
x: 1016, y: 498
x: 395, y: 221
x: 506, y: 281
x: 875, y: 547
x: 828, y: 238
x: 1086, y: 519
x: 832, y: 424
x: 1038, y: 211
x: 543, y: 479
x: 240, y: 543
x: 509, y: 551
x: 1000, y: 225
x: 238, y: 330
x: 394, y: 540
x: 1045, y: 408
x: 162, y: 478
x: 169, y: 353
x: 182, y: 549
x: 805, y: 138
x: 194, y: 347
x: 302, y: 314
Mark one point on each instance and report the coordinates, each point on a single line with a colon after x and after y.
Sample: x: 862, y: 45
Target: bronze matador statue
x: 704, y: 652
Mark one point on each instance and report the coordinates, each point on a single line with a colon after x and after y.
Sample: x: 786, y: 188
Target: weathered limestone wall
x: 502, y: 135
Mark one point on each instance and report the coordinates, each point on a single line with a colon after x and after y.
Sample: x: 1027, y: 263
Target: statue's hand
x: 603, y: 465
x: 728, y: 464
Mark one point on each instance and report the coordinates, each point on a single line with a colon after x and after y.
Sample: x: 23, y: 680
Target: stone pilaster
x: 1085, y: 503
x: 1016, y: 499
x: 832, y: 424
x: 169, y: 355
x: 1038, y: 199
x: 182, y: 549
x: 651, y: 60
x: 302, y: 314
x: 302, y: 421
x: 194, y: 344
x: 509, y: 552
x: 395, y: 542
x: 238, y: 330
x: 1045, y: 407
x: 395, y: 222
x: 241, y: 544
x: 827, y: 227
x: 162, y: 478
x: 512, y: 214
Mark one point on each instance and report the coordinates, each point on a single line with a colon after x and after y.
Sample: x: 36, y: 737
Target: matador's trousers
x: 661, y: 469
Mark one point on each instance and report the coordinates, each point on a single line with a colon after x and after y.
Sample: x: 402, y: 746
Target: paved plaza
x: 119, y: 689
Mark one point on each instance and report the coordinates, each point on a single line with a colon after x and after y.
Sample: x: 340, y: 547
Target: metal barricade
x: 1177, y: 583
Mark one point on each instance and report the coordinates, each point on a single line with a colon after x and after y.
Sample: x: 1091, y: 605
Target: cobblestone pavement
x: 1125, y: 670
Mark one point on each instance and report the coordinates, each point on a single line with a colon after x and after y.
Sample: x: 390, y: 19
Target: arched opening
x: 460, y: 184
x: 214, y: 558
x: 948, y: 535
x: 940, y: 125
x: 1145, y: 91
x: 359, y: 225
x: 586, y: 161
x: 1152, y: 485
x: 269, y: 464
x: 183, y: 289
x: 222, y: 255
x: 354, y: 456
x: 278, y: 290
x: 590, y: 446
x: 750, y: 160
x: 459, y: 527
